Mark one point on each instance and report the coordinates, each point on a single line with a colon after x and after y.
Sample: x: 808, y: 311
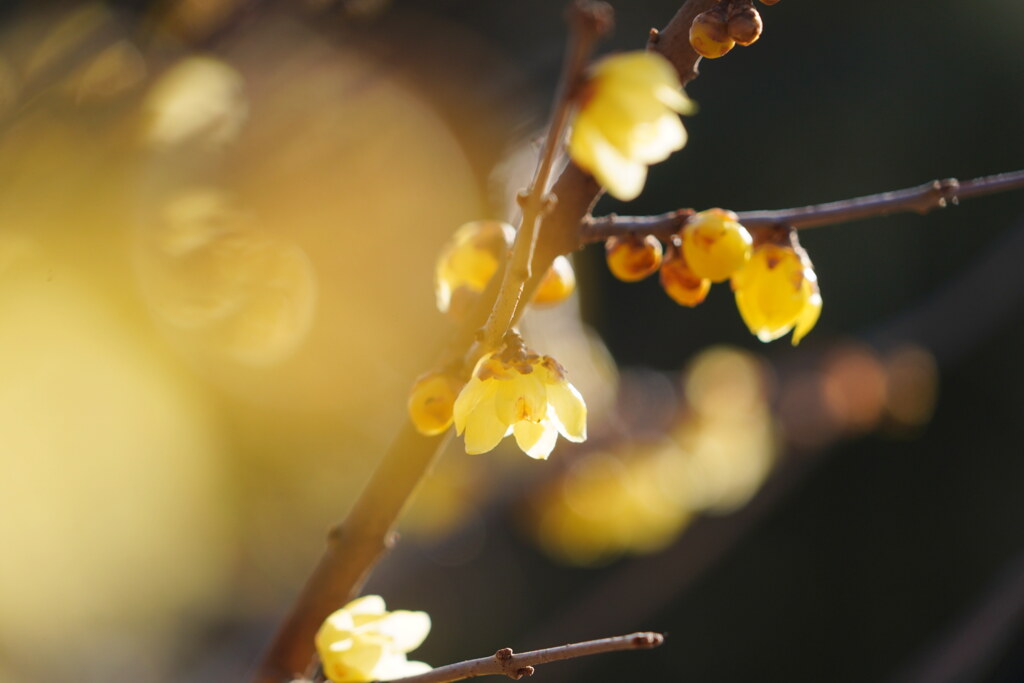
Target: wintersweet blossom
x: 777, y: 291
x: 628, y: 118
x: 521, y: 393
x: 362, y: 642
x: 469, y: 260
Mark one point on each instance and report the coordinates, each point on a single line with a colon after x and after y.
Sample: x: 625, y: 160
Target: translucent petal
x: 537, y: 440
x: 364, y: 659
x: 483, y: 429
x: 808, y: 317
x: 396, y: 666
x: 622, y: 177
x: 406, y: 630
x: 570, y: 411
x: 475, y: 392
x: 523, y: 397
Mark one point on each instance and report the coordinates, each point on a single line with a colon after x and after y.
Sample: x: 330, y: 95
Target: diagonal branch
x: 921, y: 199
x: 505, y: 663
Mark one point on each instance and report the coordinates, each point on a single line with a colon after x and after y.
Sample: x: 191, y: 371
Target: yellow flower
x: 364, y: 642
x: 777, y: 291
x: 715, y: 244
x: 470, y: 259
x: 520, y: 393
x: 628, y: 119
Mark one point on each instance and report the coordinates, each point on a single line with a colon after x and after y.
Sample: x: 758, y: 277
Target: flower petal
x: 406, y: 630
x: 537, y: 440
x: 484, y: 430
x: 475, y: 392
x: 570, y: 411
x: 808, y: 317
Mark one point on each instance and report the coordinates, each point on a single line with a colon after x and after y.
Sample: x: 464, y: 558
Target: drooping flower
x: 558, y: 284
x: 777, y: 291
x: 519, y: 392
x: 363, y: 642
x: 469, y: 261
x: 628, y: 118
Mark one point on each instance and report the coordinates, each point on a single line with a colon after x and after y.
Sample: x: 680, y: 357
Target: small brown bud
x: 769, y: 2
x: 709, y: 33
x: 745, y: 25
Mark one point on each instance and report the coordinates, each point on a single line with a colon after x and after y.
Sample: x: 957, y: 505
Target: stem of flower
x: 921, y: 199
x: 515, y: 666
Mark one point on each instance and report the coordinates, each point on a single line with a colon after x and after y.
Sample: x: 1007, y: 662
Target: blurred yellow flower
x: 430, y: 402
x: 469, y: 260
x: 521, y: 393
x: 777, y: 291
x: 364, y: 642
x: 628, y: 119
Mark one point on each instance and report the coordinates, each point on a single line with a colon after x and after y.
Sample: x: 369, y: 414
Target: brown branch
x: 355, y: 546
x: 515, y: 666
x: 588, y: 22
x: 921, y: 199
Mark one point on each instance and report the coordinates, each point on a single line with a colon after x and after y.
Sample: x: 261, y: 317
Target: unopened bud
x: 709, y: 34
x: 745, y: 25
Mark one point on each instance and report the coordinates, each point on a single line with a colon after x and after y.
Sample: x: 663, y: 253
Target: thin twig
x: 588, y: 21
x: 505, y: 663
x: 921, y: 199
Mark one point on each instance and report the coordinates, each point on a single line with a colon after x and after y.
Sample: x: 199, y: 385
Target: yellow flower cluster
x: 363, y: 642
x: 521, y: 393
x: 775, y: 285
x: 628, y: 118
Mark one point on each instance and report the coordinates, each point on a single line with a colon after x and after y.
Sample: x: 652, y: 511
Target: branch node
x: 504, y: 654
x: 653, y: 37
x: 524, y: 671
x: 648, y: 640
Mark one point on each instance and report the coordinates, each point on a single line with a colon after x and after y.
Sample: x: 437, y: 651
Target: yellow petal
x: 568, y: 411
x: 362, y: 660
x: 406, y: 630
x: 521, y: 398
x: 808, y: 317
x: 537, y: 440
x: 484, y: 430
x: 475, y: 392
x: 622, y: 177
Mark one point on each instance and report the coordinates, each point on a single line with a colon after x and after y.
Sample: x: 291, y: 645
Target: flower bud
x: 631, y: 259
x: 709, y: 34
x: 680, y: 283
x: 745, y: 25
x: 715, y: 244
x: 431, y: 401
x: 558, y: 284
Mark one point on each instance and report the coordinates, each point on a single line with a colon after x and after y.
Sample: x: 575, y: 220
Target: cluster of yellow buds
x: 628, y: 118
x: 774, y: 281
x: 471, y: 258
x: 729, y: 23
x: 364, y: 642
x: 517, y: 392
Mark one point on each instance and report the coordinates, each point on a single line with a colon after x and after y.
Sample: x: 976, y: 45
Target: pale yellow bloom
x: 628, y: 118
x: 470, y: 259
x: 520, y: 393
x: 777, y: 291
x: 364, y: 642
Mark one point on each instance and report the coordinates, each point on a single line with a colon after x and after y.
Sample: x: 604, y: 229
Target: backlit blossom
x: 469, y: 261
x: 777, y: 291
x: 628, y: 118
x: 521, y: 393
x: 364, y: 642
